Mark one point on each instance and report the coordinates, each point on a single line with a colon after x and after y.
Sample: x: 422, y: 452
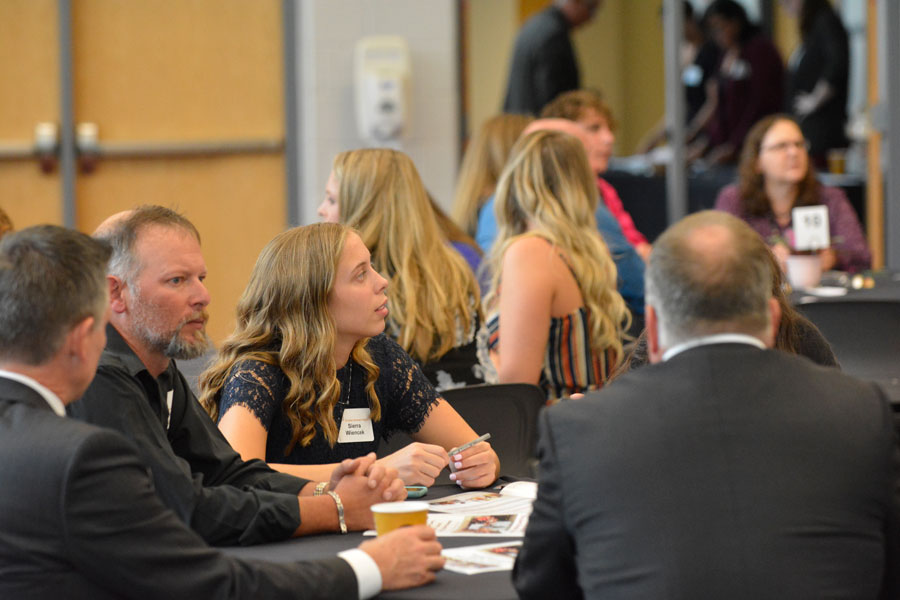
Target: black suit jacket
x: 725, y: 472
x: 79, y: 519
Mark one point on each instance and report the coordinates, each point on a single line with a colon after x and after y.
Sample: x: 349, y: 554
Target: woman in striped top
x: 557, y: 319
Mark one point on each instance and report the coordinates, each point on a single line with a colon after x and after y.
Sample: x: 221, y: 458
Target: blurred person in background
x: 748, y: 84
x: 543, y: 63
x: 818, y: 72
x: 434, y: 298
x: 699, y: 58
x: 774, y: 176
x: 629, y: 266
x: 485, y: 157
x: 586, y: 107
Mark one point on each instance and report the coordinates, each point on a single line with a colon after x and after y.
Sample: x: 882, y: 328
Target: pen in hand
x: 467, y: 445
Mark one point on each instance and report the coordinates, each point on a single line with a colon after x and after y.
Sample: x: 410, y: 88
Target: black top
x: 196, y: 472
x: 79, y: 518
x: 543, y: 63
x: 459, y: 366
x: 403, y: 392
x: 697, y: 75
x: 824, y: 54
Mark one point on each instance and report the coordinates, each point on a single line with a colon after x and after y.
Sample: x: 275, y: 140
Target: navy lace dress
x: 405, y: 395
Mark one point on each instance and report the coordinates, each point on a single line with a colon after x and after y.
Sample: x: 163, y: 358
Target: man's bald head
x: 109, y: 224
x: 122, y: 229
x: 709, y: 273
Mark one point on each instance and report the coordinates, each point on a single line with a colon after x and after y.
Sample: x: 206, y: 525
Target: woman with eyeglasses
x: 775, y: 176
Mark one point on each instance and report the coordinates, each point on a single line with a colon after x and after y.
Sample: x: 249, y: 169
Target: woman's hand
x: 418, y: 463
x: 476, y: 467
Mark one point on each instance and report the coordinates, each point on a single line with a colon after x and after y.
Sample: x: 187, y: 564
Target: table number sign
x: 810, y: 224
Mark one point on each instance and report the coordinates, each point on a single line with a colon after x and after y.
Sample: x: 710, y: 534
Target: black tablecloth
x: 448, y: 586
x: 886, y: 289
x: 875, y: 361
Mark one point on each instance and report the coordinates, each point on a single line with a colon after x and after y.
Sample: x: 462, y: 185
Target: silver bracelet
x: 320, y: 488
x: 340, y: 510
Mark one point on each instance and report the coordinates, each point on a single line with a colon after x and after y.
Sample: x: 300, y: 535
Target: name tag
x: 811, y: 230
x: 356, y: 426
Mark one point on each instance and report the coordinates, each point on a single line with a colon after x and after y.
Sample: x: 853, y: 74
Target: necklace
x: 349, y: 386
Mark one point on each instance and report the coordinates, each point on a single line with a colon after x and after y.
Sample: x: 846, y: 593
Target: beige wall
x: 784, y: 32
x: 491, y: 30
x: 328, y: 31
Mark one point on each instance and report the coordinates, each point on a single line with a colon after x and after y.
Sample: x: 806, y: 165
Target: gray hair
x: 51, y: 278
x: 709, y: 273
x: 122, y: 233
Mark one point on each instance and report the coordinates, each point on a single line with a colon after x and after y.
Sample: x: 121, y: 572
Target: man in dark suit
x: 543, y: 63
x: 79, y: 517
x: 723, y: 470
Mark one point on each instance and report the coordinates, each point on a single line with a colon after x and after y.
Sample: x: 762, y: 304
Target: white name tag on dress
x: 356, y: 426
x: 810, y: 227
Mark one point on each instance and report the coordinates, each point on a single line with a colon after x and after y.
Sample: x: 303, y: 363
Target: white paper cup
x: 804, y: 270
x: 393, y: 515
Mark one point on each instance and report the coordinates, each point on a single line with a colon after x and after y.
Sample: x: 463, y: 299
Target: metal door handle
x: 45, y: 147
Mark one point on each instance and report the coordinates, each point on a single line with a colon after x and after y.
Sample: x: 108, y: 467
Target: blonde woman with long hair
x: 433, y: 294
x: 555, y: 317
x: 307, y: 379
x: 485, y: 157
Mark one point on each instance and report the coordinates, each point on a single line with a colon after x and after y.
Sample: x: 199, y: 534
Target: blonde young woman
x: 555, y: 317
x: 481, y: 166
x: 307, y: 379
x: 433, y: 294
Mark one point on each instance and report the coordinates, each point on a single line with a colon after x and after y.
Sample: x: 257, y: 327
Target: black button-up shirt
x: 196, y: 472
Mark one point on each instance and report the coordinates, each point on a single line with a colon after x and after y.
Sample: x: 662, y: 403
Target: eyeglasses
x: 783, y: 146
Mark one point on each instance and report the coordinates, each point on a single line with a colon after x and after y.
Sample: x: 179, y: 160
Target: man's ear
x: 117, y: 293
x: 651, y: 324
x: 75, y: 345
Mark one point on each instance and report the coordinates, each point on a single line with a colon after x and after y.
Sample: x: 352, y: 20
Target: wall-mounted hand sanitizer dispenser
x: 382, y: 89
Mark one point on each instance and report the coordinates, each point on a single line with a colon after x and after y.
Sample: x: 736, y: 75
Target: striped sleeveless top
x: 569, y: 365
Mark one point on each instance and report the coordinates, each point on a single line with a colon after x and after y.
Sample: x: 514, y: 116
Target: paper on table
x: 514, y: 498
x: 521, y: 489
x: 486, y: 558
x: 460, y: 525
x: 512, y: 525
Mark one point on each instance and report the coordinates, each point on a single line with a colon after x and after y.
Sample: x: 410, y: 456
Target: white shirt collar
x: 718, y: 338
x: 52, y: 399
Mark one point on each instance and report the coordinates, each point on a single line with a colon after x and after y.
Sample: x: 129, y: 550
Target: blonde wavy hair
x: 432, y: 291
x: 283, y: 320
x: 547, y: 190
x: 482, y: 164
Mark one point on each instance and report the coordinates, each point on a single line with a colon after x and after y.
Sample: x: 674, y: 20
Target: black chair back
x: 507, y: 411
